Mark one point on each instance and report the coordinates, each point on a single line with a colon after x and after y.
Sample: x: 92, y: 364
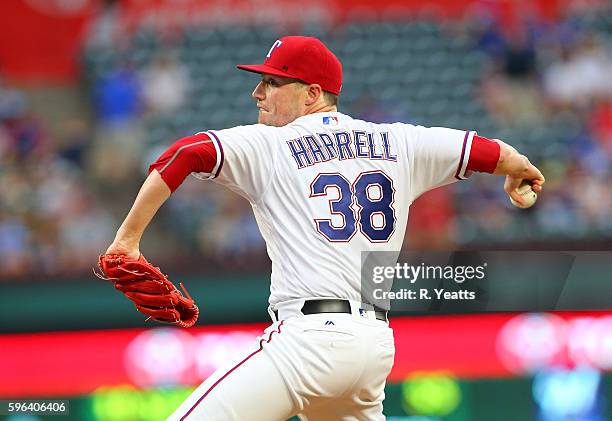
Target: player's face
x: 280, y: 100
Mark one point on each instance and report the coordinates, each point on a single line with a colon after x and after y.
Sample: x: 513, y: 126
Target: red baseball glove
x: 150, y: 290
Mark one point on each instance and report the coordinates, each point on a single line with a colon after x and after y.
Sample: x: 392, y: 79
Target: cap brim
x: 262, y: 68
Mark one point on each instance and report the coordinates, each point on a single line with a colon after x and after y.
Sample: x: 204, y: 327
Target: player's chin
x: 268, y: 119
x: 263, y: 117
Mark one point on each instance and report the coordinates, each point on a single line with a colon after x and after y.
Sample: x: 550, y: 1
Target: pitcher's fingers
x: 516, y: 197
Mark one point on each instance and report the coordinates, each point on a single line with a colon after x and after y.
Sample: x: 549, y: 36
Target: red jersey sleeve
x: 484, y: 155
x: 191, y: 154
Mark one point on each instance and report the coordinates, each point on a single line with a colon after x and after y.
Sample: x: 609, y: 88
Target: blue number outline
x: 382, y: 195
x: 357, y: 214
x: 319, y: 221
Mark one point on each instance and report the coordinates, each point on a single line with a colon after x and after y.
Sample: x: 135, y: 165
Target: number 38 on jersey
x: 364, y: 204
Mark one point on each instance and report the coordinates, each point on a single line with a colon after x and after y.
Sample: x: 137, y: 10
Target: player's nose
x: 258, y: 92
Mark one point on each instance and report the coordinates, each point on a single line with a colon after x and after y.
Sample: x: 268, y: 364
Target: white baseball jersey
x: 326, y: 187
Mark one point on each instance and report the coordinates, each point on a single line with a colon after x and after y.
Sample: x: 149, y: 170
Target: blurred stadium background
x: 92, y: 91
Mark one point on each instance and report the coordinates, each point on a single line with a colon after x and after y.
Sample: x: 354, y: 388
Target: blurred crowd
x: 50, y: 218
x: 552, y: 84
x: 64, y: 192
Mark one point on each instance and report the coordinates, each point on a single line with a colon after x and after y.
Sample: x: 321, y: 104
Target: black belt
x: 334, y: 306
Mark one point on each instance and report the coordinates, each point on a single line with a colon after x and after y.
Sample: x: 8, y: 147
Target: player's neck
x: 321, y: 108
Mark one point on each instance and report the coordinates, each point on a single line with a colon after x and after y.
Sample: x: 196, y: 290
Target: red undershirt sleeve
x: 484, y: 155
x: 191, y: 154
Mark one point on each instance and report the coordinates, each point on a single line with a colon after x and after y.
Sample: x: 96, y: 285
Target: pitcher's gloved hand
x: 149, y: 289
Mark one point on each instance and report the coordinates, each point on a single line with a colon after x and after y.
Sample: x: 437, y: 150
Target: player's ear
x: 313, y: 92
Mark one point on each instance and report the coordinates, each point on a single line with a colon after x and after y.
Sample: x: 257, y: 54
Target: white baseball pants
x: 321, y: 367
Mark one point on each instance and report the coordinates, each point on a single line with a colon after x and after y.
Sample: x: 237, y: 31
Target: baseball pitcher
x: 324, y: 187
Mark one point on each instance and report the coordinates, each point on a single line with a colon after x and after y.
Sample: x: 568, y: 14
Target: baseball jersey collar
x: 330, y: 118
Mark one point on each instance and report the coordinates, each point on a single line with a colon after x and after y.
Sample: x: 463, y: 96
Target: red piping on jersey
x: 233, y: 368
x: 467, y: 134
x: 484, y: 155
x: 222, y: 153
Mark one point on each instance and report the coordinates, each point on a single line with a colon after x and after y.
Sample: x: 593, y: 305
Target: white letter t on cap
x: 277, y: 43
